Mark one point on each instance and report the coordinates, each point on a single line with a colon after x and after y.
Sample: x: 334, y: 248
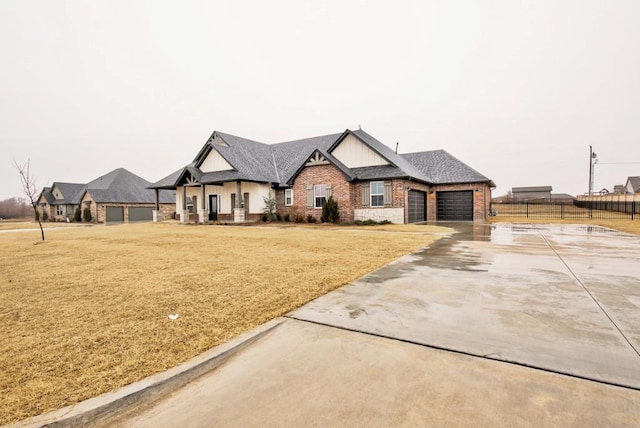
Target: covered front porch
x: 235, y: 202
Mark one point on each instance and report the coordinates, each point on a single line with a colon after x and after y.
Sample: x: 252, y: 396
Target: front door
x: 213, y: 207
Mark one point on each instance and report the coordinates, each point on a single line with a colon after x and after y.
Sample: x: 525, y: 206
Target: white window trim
x: 288, y: 194
x: 316, y: 196
x: 371, y: 194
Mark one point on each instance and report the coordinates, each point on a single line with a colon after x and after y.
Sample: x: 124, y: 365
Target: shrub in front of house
x: 370, y: 222
x: 269, y: 212
x: 45, y: 216
x: 311, y: 219
x: 86, y: 215
x: 37, y: 215
x: 299, y: 218
x: 330, y: 212
x: 77, y: 215
x: 287, y: 217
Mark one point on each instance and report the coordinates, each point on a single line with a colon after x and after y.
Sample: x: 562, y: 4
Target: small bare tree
x: 29, y: 188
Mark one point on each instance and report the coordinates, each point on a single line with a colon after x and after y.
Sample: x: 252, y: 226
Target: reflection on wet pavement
x: 564, y: 298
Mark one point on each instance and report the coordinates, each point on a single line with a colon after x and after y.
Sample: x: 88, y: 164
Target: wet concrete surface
x: 563, y: 298
x: 303, y: 374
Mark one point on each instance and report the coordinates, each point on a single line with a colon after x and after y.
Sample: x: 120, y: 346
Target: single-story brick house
x: 116, y: 197
x: 231, y: 176
x: 60, y: 201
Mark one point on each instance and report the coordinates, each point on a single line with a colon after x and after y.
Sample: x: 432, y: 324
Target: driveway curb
x: 110, y: 406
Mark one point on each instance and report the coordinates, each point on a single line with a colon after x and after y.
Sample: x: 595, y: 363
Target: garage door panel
x: 140, y: 214
x: 455, y: 205
x: 417, y: 206
x: 115, y: 214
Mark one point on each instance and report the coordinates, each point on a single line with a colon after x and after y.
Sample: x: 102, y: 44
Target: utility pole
x: 593, y: 159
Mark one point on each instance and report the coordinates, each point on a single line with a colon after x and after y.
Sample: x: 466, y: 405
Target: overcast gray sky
x: 516, y: 89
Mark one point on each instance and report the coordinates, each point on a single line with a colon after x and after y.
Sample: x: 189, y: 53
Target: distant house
x: 230, y: 177
x: 531, y: 193
x: 633, y: 185
x: 60, y: 201
x: 119, y: 196
x: 565, y: 198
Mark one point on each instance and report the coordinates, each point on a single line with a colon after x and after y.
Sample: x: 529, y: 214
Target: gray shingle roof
x: 290, y: 155
x: 48, y: 196
x: 442, y: 168
x: 122, y: 186
x: 279, y: 163
x: 398, y: 160
x: 532, y: 189
x: 635, y: 183
x: 71, y: 193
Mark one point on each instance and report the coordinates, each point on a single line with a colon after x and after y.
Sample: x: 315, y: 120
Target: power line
x: 618, y: 163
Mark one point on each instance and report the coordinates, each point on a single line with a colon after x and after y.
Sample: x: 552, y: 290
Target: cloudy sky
x: 516, y: 89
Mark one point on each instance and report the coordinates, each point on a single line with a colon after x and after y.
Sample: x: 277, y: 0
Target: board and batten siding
x: 355, y: 154
x: 215, y: 162
x: 257, y: 192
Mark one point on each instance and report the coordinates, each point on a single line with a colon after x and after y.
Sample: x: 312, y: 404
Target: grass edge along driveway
x: 86, y: 311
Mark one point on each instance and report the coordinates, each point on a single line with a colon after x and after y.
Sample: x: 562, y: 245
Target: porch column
x: 184, y: 213
x: 156, y: 212
x: 202, y: 212
x: 238, y: 213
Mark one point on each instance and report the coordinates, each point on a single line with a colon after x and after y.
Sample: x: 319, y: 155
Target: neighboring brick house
x: 365, y: 177
x: 60, y: 201
x: 116, y: 197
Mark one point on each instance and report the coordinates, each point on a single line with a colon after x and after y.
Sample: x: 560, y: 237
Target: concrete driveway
x: 494, y: 325
x: 562, y: 298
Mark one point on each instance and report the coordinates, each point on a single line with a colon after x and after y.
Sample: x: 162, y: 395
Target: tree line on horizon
x: 15, y: 208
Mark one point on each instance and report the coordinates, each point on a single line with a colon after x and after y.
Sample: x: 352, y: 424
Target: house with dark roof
x: 230, y: 178
x: 119, y: 196
x: 60, y: 200
x: 532, y: 193
x: 632, y: 185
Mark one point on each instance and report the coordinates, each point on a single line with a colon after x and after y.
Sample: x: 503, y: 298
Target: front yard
x: 86, y: 311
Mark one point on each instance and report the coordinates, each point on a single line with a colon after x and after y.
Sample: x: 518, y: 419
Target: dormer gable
x: 209, y: 159
x: 355, y: 153
x: 55, y: 191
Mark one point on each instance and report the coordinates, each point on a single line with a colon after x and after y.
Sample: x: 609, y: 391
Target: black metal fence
x: 579, y: 210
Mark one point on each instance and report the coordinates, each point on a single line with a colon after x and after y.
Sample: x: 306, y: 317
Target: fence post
x: 527, y: 209
x: 633, y: 209
x: 561, y: 210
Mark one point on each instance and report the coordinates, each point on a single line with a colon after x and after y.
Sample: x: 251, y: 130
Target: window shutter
x: 388, y: 190
x: 365, y: 194
x: 328, y: 191
x: 309, y: 195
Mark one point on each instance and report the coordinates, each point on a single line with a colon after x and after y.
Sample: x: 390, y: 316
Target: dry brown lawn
x: 26, y: 224
x: 628, y: 226
x: 86, y: 311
